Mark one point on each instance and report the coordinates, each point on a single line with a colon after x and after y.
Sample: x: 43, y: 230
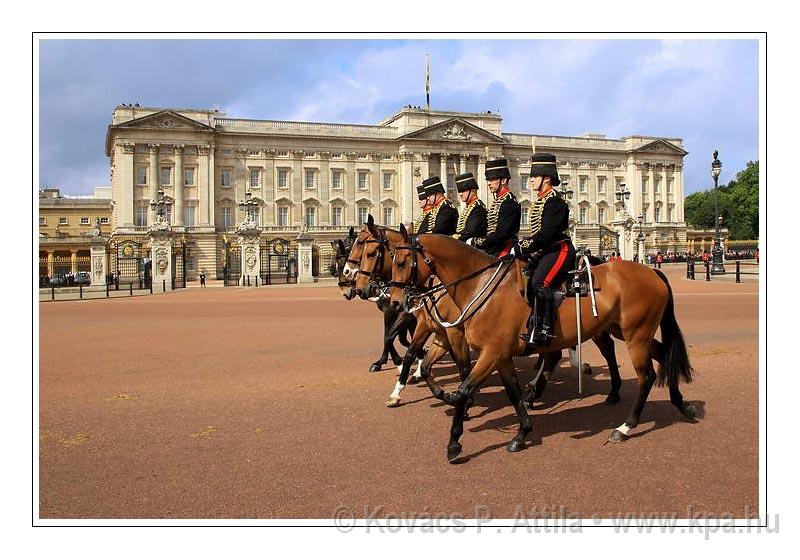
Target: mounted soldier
x: 442, y: 216
x: 504, y: 214
x: 473, y: 221
x: 548, y: 250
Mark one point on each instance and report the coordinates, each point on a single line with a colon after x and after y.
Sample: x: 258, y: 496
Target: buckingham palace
x: 314, y: 180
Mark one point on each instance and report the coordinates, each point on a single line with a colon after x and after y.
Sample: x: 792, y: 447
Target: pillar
x: 98, y: 260
x: 483, y: 192
x: 406, y: 187
x: 51, y: 262
x: 178, y: 217
x: 161, y: 258
x: 304, y: 258
x: 250, y: 253
x: 73, y: 262
x: 443, y: 168
x: 154, y: 176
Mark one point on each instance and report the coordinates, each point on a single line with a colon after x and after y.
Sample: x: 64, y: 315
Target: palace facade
x: 322, y: 178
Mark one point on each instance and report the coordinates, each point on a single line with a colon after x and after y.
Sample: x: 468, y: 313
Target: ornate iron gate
x: 278, y: 262
x: 179, y: 266
x: 231, y: 264
x: 127, y: 259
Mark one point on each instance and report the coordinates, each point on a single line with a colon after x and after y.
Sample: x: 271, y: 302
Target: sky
x: 703, y: 91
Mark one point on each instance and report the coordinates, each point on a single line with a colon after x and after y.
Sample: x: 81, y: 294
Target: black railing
x: 738, y: 272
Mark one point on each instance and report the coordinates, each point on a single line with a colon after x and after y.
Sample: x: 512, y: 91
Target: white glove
x: 469, y: 241
x: 512, y: 252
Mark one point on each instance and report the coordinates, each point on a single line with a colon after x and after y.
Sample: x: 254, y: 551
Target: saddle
x: 567, y: 288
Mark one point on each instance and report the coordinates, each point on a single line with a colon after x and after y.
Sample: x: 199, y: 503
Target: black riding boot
x: 533, y: 324
x: 545, y: 334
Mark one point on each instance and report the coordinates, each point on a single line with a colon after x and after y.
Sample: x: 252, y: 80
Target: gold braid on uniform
x: 462, y: 219
x: 418, y: 222
x: 494, y: 210
x: 537, y: 207
x: 435, y: 212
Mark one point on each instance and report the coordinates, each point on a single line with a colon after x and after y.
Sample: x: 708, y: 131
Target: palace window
x: 387, y: 180
x: 601, y: 215
x: 63, y: 221
x: 362, y: 215
x: 671, y: 214
x: 362, y: 180
x: 166, y: 176
x: 283, y: 178
x: 337, y: 216
x: 525, y: 216
x: 582, y: 182
x: 311, y: 178
x: 84, y: 221
x: 645, y: 180
x: 601, y: 185
x: 225, y: 177
x: 336, y: 179
x: 658, y: 186
x: 645, y: 211
x: 311, y: 216
x: 524, y: 185
x: 191, y: 262
x: 283, y: 216
x: 388, y: 216
x: 226, y: 216
x: 141, y: 215
x: 141, y: 175
x: 42, y: 221
x: 657, y: 214
x: 255, y: 175
x: 669, y: 186
x: 168, y: 214
x: 104, y: 220
x: 188, y: 176
x: 583, y: 215
x: 188, y: 215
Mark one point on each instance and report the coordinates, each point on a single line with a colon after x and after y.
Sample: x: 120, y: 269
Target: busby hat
x: 544, y: 165
x: 433, y: 185
x: 497, y: 169
x: 466, y: 182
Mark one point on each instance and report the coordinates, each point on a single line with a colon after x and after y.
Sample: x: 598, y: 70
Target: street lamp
x: 716, y: 253
x: 640, y: 239
x: 159, y: 206
x: 248, y: 205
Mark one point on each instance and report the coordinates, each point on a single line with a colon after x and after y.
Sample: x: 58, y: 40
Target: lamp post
x: 159, y: 206
x: 248, y: 205
x: 716, y: 254
x: 640, y: 239
x: 566, y: 193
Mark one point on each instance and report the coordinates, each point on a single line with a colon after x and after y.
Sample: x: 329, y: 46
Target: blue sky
x: 704, y: 91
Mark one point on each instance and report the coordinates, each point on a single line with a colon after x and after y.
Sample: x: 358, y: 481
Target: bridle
x: 416, y: 249
x: 345, y: 283
x: 375, y: 275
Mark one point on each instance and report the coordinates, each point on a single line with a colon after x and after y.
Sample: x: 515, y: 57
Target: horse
x: 633, y: 301
x: 343, y: 250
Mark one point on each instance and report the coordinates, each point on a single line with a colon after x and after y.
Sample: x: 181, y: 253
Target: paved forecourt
x: 257, y: 403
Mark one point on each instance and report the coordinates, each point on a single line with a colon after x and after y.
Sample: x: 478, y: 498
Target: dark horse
x: 633, y: 301
x: 393, y: 329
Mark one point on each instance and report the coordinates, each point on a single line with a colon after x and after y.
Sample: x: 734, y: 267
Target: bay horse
x: 343, y: 249
x: 633, y: 301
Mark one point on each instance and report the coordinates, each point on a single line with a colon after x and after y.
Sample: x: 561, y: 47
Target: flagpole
x: 428, y: 83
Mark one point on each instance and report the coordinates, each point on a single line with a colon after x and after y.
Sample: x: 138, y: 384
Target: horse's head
x: 411, y: 270
x: 373, y: 265
x: 342, y: 249
x: 354, y: 256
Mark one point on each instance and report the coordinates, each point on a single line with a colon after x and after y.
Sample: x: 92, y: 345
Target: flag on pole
x: 428, y: 83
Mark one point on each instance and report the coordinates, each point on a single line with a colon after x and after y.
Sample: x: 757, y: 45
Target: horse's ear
x: 335, y: 244
x: 403, y: 232
x: 342, y: 249
x: 370, y: 221
x: 352, y: 232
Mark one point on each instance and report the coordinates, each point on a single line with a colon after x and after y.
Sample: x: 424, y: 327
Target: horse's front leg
x: 388, y: 320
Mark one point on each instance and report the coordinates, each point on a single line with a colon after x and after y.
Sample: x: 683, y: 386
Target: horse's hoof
x: 453, y: 451
x: 393, y: 402
x: 375, y: 367
x: 617, y: 437
x: 690, y: 413
x: 612, y: 399
x: 516, y: 445
x: 414, y: 380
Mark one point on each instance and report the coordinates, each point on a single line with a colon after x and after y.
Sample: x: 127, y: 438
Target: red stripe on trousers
x: 506, y: 250
x: 562, y: 256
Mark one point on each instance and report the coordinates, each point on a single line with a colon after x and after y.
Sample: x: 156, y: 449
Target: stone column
x: 123, y: 176
x: 483, y: 190
x: 211, y: 191
x: 406, y: 187
x: 443, y: 168
x: 161, y: 258
x: 250, y: 252
x: 304, y: 256
x: 462, y: 163
x: 51, y: 263
x: 73, y: 264
x: 98, y: 260
x: 154, y: 177
x: 178, y: 185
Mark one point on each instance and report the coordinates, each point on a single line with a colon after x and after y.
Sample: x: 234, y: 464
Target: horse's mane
x: 457, y: 243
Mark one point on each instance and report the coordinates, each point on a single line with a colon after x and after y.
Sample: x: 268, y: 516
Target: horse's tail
x: 676, y: 359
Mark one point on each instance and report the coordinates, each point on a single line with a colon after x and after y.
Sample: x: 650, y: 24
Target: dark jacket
x: 444, y: 217
x: 549, y: 223
x: 503, y: 224
x: 472, y: 222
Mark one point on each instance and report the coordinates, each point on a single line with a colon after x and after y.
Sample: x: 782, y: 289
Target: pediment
x: 454, y: 130
x: 165, y: 120
x: 661, y: 146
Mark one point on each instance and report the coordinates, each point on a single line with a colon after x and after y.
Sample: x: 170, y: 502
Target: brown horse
x: 375, y: 264
x: 632, y: 302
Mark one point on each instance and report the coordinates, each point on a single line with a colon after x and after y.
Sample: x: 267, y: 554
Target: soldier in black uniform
x: 442, y: 216
x: 472, y: 222
x: 504, y: 214
x: 423, y: 205
x: 548, y: 250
